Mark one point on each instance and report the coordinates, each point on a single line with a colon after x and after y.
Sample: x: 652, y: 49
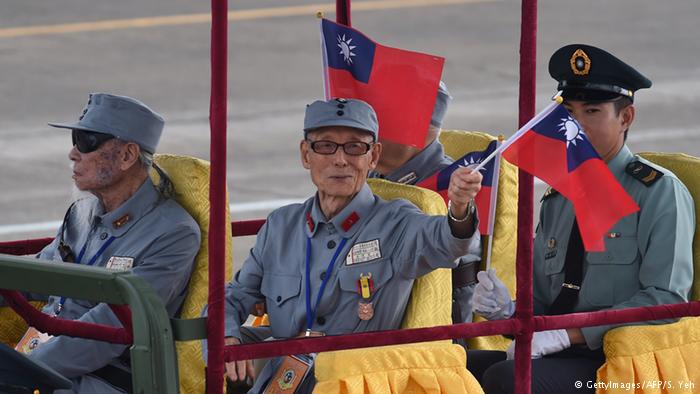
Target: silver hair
x: 146, y: 159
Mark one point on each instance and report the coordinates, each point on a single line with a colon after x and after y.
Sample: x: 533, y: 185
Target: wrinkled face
x: 339, y: 174
x: 602, y: 124
x: 96, y: 170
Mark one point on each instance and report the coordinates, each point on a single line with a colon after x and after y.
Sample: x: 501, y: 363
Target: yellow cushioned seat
x: 659, y: 353
x: 190, y: 177
x: 434, y: 367
x: 457, y: 143
x: 12, y: 327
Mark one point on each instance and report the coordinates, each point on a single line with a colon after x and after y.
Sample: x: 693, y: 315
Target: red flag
x: 400, y: 85
x: 441, y: 181
x: 556, y: 150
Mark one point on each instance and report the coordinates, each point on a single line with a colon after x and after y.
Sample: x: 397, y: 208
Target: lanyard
x: 91, y: 262
x: 311, y: 313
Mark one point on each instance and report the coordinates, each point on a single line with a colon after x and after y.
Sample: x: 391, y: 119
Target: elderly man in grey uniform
x: 648, y: 257
x: 310, y: 258
x: 409, y: 165
x: 127, y: 223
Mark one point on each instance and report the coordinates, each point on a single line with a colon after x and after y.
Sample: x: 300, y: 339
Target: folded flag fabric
x: 400, y: 85
x: 554, y: 148
x: 485, y: 199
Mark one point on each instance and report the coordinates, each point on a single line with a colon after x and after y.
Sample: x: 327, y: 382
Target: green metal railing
x: 153, y: 357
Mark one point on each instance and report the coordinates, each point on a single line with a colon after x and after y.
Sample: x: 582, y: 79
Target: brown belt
x: 464, y: 275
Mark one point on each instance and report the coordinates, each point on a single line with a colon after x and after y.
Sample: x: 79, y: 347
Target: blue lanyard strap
x: 311, y: 313
x: 92, y: 261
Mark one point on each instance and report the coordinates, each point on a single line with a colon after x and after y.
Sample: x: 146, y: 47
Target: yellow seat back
x: 431, y: 298
x: 458, y: 143
x: 12, y: 327
x: 661, y: 353
x: 687, y: 169
x: 190, y: 179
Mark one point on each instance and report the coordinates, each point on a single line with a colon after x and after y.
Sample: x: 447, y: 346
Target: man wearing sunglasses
x: 125, y: 223
x: 344, y: 261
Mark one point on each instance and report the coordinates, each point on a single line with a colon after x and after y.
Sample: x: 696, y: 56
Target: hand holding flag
x: 463, y: 188
x: 485, y: 198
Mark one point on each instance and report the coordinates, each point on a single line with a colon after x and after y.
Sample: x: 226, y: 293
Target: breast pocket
x: 613, y: 275
x: 281, y: 292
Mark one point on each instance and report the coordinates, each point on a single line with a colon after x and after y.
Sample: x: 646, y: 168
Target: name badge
x: 289, y: 375
x: 31, y: 340
x: 118, y: 263
x: 363, y: 252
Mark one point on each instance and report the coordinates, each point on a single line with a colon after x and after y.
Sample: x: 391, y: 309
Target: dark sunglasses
x: 88, y: 141
x: 352, y: 148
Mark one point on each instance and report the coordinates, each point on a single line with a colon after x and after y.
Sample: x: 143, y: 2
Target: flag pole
x: 557, y: 100
x: 492, y: 205
x: 324, y: 59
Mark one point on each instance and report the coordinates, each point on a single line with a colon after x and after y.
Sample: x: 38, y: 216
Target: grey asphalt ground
x: 275, y: 69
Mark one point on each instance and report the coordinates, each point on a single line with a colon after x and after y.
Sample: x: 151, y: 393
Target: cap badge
x: 580, y: 62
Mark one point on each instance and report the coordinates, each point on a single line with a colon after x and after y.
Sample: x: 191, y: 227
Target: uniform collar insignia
x: 121, y: 221
x: 408, y: 179
x: 350, y: 221
x: 548, y: 193
x: 310, y: 222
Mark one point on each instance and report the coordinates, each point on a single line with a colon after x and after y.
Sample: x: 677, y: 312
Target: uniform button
x: 331, y: 244
x: 279, y: 298
x: 322, y: 276
x: 103, y: 236
x: 341, y: 106
x: 340, y: 113
x: 321, y: 320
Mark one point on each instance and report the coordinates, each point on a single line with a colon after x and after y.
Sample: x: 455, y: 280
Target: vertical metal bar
x: 217, y: 196
x: 523, y: 309
x: 342, y: 12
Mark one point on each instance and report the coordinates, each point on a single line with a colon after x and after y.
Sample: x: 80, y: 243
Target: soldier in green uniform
x: 648, y: 254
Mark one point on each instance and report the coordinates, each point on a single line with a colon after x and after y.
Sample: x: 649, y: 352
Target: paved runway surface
x: 53, y: 53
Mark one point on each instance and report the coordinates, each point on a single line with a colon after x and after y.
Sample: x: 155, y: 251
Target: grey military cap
x: 121, y: 116
x: 440, y: 107
x: 341, y: 112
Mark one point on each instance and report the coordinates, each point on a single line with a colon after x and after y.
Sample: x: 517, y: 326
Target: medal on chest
x: 365, y: 287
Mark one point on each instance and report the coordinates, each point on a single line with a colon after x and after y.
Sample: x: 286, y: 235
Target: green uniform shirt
x: 647, y: 258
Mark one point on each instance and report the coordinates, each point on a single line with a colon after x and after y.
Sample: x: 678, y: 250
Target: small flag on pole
x: 554, y: 148
x: 400, y: 85
x: 486, y: 198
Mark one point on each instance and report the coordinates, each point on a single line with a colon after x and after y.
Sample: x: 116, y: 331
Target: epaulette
x: 643, y: 172
x: 548, y: 193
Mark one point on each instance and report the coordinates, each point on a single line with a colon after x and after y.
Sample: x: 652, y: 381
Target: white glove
x: 491, y: 298
x: 544, y: 343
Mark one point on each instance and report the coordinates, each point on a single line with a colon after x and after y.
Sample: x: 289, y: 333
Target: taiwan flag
x: 400, y: 85
x: 485, y: 200
x: 554, y: 148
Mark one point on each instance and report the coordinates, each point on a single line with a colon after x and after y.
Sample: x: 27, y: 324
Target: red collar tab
x: 350, y: 221
x: 310, y: 222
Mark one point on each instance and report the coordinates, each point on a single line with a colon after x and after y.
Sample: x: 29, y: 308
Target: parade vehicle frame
x: 153, y: 335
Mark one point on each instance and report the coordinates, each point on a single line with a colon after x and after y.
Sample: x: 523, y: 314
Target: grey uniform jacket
x: 422, y: 166
x: 648, y: 257
x: 155, y: 235
x: 391, y: 240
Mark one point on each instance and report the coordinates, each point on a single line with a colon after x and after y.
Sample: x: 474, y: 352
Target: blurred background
x: 53, y: 53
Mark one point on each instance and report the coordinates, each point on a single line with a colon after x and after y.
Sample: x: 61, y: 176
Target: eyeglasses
x: 88, y: 141
x: 352, y: 148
